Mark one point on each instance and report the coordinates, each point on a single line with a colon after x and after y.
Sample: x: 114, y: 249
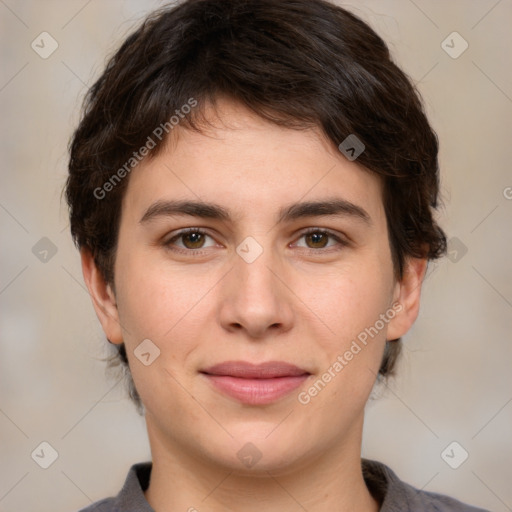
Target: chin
x: 253, y: 452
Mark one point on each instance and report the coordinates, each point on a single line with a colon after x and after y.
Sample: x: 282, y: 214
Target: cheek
x: 350, y: 304
x: 352, y: 355
x: 151, y: 298
x: 162, y: 306
x: 348, y: 300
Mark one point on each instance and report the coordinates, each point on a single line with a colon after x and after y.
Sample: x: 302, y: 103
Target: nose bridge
x: 254, y: 260
x: 255, y: 297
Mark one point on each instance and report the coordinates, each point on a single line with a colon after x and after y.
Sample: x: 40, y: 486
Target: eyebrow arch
x: 207, y: 210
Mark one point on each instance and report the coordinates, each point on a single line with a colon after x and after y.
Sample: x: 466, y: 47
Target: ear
x: 103, y: 298
x: 407, y: 295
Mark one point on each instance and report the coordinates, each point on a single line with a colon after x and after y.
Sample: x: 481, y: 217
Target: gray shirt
x: 393, y: 494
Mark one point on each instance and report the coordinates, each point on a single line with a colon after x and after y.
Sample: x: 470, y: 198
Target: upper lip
x: 246, y: 370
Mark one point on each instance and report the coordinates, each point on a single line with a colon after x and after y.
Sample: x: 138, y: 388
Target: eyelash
x: 197, y: 252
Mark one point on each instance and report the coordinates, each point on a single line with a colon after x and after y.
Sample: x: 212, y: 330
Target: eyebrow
x: 206, y: 210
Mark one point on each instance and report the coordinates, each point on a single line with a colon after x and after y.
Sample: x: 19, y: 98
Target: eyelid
x: 334, y: 234
x: 178, y: 234
x: 341, y: 239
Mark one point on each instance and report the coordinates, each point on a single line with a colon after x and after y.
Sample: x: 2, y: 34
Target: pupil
x: 194, y: 238
x: 316, y: 237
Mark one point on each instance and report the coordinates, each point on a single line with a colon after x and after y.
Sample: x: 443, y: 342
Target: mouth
x: 255, y: 384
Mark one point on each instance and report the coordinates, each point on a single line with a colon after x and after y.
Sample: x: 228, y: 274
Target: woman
x: 252, y: 188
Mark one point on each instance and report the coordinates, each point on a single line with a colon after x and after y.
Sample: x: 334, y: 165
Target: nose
x: 255, y: 298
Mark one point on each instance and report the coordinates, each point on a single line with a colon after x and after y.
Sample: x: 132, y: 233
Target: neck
x: 184, y: 481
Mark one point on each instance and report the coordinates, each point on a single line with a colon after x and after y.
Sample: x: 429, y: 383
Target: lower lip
x: 256, y: 391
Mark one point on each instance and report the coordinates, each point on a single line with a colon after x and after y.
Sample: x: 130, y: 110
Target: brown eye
x: 318, y: 239
x: 196, y: 240
x: 191, y: 239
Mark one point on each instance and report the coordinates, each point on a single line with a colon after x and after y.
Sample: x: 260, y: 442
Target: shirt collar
x: 131, y: 497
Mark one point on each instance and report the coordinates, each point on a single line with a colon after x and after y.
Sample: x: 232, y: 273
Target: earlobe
x: 103, y: 298
x: 407, y: 296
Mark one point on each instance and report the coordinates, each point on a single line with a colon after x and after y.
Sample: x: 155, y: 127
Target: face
x: 268, y: 325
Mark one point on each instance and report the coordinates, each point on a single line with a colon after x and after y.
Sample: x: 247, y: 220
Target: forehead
x: 251, y: 167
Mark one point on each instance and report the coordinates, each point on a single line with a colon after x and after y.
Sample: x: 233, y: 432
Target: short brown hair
x: 296, y: 63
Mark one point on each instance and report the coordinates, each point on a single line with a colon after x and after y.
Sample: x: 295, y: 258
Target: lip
x: 255, y: 384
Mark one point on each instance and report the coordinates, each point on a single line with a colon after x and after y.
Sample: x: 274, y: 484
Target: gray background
x: 454, y: 380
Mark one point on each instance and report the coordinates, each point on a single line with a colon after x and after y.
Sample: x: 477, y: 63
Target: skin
x: 302, y: 301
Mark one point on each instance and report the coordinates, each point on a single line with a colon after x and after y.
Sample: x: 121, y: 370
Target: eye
x: 319, y: 238
x: 193, y: 239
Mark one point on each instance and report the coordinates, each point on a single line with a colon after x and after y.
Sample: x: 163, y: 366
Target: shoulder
x: 105, y: 505
x: 398, y: 496
x: 131, y: 497
x: 434, y: 502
